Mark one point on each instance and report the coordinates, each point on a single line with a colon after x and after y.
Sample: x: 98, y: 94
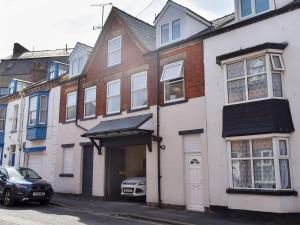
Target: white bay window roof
x: 172, y: 71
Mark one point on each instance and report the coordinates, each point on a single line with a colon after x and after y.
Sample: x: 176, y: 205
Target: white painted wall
x: 278, y: 29
x: 78, y: 52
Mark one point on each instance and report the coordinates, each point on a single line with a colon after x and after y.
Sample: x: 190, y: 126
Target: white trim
x: 259, y: 136
x: 144, y: 73
x: 109, y: 51
x: 67, y: 102
x: 85, y: 102
x: 107, y: 96
x: 171, y: 82
x: 170, y: 36
x: 253, y: 10
x: 35, y: 110
x: 180, y: 63
x: 281, y: 62
x: 46, y: 109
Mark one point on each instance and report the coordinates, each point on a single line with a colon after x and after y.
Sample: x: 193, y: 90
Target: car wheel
x: 45, y: 202
x: 8, y: 198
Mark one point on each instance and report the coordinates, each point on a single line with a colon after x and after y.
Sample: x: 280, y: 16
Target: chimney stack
x: 18, y: 50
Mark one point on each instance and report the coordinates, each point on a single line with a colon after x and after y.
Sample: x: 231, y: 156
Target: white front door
x: 194, y: 182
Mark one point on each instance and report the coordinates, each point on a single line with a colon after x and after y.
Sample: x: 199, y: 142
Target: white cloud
x: 51, y: 24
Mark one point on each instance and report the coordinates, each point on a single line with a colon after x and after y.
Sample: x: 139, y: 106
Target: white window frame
x: 67, y: 102
x: 136, y: 90
x: 253, y: 9
x: 281, y: 62
x: 170, y: 37
x: 33, y: 111
x: 41, y: 109
x: 276, y: 156
x: 3, y: 120
x: 110, y: 52
x: 52, y: 72
x: 174, y: 80
x: 85, y: 102
x: 108, y: 97
x: 269, y: 71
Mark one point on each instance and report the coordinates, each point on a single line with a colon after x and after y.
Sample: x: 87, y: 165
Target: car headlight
x: 22, y: 186
x: 142, y: 183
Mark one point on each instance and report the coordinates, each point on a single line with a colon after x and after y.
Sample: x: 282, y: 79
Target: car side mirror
x: 3, y: 177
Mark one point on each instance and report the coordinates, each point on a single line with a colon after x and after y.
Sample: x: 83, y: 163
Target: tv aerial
x: 102, y: 8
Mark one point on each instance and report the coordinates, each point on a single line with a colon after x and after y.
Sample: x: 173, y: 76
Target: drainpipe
x: 77, y: 106
x: 159, y: 139
x: 20, y: 132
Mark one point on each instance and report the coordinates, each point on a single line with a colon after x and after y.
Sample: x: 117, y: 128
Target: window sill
x: 13, y: 131
x: 262, y: 192
x: 112, y: 114
x: 70, y: 121
x: 174, y: 103
x: 113, y: 66
x: 89, y: 118
x: 66, y: 175
x: 137, y: 110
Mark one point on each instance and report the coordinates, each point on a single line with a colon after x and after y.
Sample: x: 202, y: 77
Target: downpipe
x: 20, y: 131
x: 77, y: 105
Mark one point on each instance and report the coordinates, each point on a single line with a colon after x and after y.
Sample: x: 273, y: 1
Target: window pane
x: 114, y: 44
x: 90, y: 109
x: 71, y: 101
x: 236, y: 91
x: 284, y: 174
x: 43, y: 116
x: 264, y: 173
x: 113, y: 104
x: 2, y: 125
x: 113, y: 89
x: 71, y: 112
x: 256, y: 65
x: 235, y: 70
x: 241, y: 173
x: 172, y: 72
x: 174, y: 90
x: 176, y: 29
x: 262, y: 148
x: 246, y: 8
x: 165, y: 33
x: 257, y: 87
x: 32, y: 117
x: 277, y: 85
x: 276, y: 62
x: 283, y: 148
x: 90, y: 95
x: 240, y: 149
x: 114, y: 58
x: 43, y: 102
x: 139, y: 82
x: 2, y: 114
x: 261, y: 5
x: 33, y: 103
x: 139, y: 98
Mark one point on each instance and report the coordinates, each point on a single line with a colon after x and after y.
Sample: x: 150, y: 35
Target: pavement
x: 138, y: 211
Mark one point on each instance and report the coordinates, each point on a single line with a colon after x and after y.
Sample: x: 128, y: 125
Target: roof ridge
x: 139, y: 20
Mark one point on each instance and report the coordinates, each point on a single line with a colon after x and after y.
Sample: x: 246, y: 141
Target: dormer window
x: 52, y: 72
x: 170, y: 32
x: 253, y: 7
x: 17, y: 85
x: 56, y: 69
x: 114, y: 51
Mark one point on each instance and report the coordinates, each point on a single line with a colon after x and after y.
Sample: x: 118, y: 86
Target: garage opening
x: 126, y: 173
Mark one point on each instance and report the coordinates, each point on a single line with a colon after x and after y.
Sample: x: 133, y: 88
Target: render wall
x: 282, y: 28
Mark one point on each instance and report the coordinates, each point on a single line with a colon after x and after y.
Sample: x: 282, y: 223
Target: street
x: 34, y: 214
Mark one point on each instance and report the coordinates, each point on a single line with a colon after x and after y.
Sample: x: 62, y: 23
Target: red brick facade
x: 133, y: 60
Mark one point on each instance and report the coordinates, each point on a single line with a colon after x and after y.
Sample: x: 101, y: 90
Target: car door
x: 2, y: 182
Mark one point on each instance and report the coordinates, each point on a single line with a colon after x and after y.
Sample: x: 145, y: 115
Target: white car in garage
x: 134, y: 187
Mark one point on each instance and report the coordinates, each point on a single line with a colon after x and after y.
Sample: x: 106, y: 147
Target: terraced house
x: 252, y: 107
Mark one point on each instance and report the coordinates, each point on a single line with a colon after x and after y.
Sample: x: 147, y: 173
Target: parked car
x: 22, y: 185
x: 134, y: 187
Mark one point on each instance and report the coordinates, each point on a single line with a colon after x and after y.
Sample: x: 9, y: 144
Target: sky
x: 53, y: 24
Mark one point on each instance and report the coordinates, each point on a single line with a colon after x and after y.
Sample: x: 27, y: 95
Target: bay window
x: 114, y: 51
x: 37, y: 113
x: 173, y: 79
x: 113, y: 100
x: 139, y: 92
x: 71, y: 106
x: 260, y: 163
x: 90, y: 102
x: 254, y: 78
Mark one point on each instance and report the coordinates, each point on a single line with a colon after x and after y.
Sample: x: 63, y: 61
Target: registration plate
x: 38, y: 194
x: 127, y: 190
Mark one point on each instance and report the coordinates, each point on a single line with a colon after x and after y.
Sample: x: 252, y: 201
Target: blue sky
x: 51, y: 24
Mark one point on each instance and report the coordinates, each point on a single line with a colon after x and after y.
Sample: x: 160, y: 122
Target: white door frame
x: 187, y: 189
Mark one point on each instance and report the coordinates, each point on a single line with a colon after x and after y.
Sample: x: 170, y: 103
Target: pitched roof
x: 144, y: 32
x: 42, y: 54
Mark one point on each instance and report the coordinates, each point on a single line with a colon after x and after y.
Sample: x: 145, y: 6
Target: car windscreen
x: 13, y: 173
x: 28, y: 173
